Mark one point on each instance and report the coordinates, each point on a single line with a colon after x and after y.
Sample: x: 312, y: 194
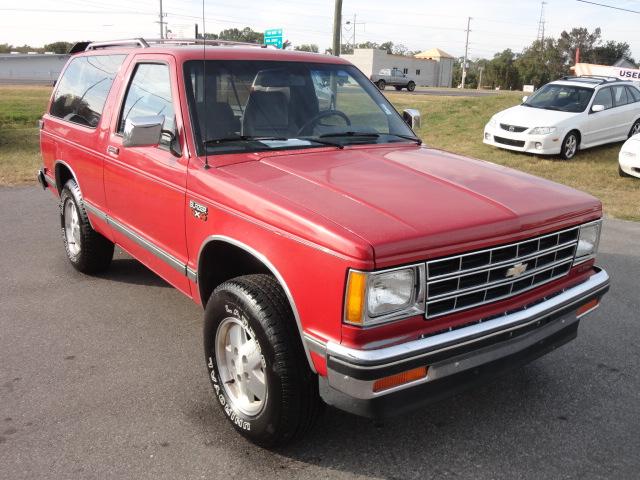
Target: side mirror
x: 411, y: 117
x: 142, y: 131
x: 597, y: 108
x: 525, y: 98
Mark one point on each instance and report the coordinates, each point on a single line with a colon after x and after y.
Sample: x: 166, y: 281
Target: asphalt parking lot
x: 102, y: 377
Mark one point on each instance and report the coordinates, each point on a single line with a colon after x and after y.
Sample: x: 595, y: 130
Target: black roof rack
x: 146, y: 43
x: 592, y: 78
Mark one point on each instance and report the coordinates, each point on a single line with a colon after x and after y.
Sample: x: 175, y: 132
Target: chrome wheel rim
x: 72, y: 227
x: 570, y: 146
x: 635, y: 129
x: 241, y: 367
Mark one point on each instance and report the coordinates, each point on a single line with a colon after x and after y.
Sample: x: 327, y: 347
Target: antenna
x: 541, y: 23
x: 204, y: 134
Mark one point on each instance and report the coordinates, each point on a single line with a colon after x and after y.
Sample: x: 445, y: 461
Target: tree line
x: 542, y: 61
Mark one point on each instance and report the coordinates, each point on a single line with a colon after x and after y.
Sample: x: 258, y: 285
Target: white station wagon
x: 567, y: 115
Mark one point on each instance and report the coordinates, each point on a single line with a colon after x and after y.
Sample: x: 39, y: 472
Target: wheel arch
x: 63, y: 173
x: 578, y: 132
x: 233, y: 258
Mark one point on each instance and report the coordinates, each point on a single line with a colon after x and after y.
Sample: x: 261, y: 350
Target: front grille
x: 472, y: 279
x: 512, y: 128
x: 508, y: 141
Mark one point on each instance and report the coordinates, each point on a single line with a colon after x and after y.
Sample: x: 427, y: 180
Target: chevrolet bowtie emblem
x: 517, y: 270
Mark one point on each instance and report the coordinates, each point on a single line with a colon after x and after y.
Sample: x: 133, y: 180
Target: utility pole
x: 337, y: 27
x: 466, y: 51
x: 354, y: 25
x: 161, y: 22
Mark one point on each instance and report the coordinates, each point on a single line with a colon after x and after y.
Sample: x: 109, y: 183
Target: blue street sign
x: 273, y: 36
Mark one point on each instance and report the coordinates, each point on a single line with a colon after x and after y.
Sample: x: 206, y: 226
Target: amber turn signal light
x: 356, y: 287
x: 587, y: 307
x: 400, y: 379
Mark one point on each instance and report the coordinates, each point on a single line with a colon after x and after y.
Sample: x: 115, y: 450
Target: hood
x: 407, y: 201
x: 532, y: 117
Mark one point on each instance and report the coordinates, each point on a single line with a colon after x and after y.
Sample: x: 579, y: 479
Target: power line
x: 609, y: 6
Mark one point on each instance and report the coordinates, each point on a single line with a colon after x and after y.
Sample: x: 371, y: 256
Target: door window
x: 83, y: 89
x: 633, y: 94
x: 603, y: 97
x: 149, y: 94
x: 620, y: 95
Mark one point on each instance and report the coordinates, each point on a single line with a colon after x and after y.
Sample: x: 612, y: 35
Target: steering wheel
x: 326, y: 113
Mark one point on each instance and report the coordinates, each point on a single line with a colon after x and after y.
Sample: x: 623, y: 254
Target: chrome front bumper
x: 514, y: 339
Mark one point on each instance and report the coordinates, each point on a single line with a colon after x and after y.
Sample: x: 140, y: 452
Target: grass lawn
x: 20, y: 109
x: 449, y: 123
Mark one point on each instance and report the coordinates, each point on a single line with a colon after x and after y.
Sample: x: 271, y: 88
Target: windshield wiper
x: 246, y: 138
x: 370, y: 135
x: 241, y: 138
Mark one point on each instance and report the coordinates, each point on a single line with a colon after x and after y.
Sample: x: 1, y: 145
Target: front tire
x: 635, y: 129
x: 87, y: 250
x: 256, y: 362
x: 569, y: 146
x: 411, y: 86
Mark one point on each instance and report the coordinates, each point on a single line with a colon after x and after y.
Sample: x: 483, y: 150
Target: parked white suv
x: 567, y: 115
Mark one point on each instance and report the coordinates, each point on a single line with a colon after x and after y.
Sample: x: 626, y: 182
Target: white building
x: 31, y: 68
x: 431, y: 68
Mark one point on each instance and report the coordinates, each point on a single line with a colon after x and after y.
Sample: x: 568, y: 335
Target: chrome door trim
x: 142, y: 242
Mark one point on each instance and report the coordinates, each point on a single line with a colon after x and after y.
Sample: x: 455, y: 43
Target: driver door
x: 145, y: 186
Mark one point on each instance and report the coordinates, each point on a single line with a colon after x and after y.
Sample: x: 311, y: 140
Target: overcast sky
x: 419, y: 25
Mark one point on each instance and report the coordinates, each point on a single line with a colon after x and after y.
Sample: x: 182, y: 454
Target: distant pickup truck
x: 394, y: 77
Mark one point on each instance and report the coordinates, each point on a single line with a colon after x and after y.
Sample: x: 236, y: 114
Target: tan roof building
x: 434, y: 53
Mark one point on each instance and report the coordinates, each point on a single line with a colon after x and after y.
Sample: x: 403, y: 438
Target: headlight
x: 492, y: 122
x: 542, y: 131
x: 379, y: 297
x: 588, y: 241
x: 627, y: 154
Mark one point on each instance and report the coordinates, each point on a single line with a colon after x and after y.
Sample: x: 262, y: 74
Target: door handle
x: 113, y: 150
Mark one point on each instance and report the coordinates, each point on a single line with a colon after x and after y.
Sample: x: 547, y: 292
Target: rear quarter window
x: 83, y: 89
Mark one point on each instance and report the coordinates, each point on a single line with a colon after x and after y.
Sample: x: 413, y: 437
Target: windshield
x: 565, y: 98
x: 243, y: 106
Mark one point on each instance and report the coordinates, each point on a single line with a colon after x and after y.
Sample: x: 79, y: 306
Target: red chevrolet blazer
x: 338, y: 260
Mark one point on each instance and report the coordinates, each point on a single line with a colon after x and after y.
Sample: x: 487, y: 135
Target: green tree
x: 610, y: 52
x: 307, y: 48
x: 58, y: 47
x: 581, y: 38
x: 388, y: 46
x: 237, y: 35
x: 541, y: 63
x: 501, y: 71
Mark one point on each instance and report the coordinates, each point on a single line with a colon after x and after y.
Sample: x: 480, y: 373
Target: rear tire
x: 269, y: 395
x: 570, y: 145
x: 87, y: 250
x: 381, y: 84
x: 411, y: 86
x: 398, y: 88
